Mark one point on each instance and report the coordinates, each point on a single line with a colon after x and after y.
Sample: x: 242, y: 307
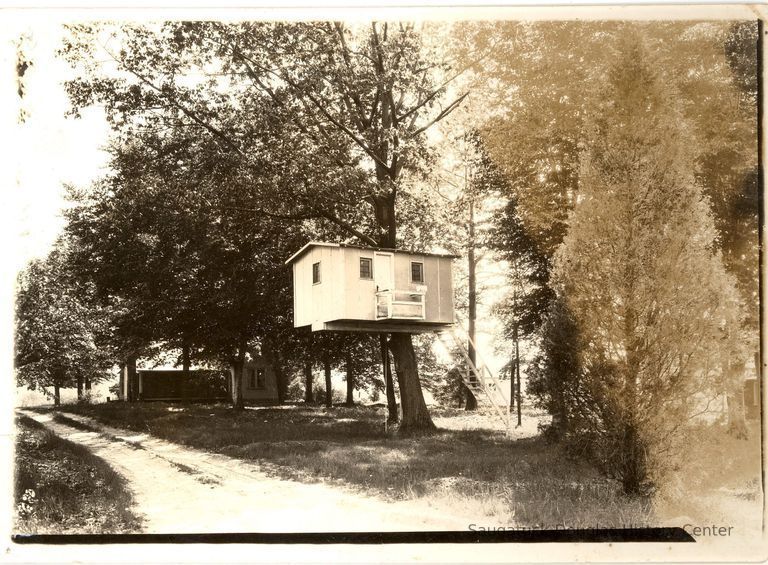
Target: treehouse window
x: 417, y: 272
x: 316, y: 273
x: 366, y: 268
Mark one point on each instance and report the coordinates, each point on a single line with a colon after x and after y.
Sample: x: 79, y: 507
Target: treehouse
x: 352, y: 288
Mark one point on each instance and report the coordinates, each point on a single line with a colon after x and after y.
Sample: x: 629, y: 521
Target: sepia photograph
x: 386, y: 279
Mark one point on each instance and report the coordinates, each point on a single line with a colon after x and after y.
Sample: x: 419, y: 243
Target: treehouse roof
x: 312, y: 244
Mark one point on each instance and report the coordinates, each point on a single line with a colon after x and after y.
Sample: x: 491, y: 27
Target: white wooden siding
x: 343, y: 295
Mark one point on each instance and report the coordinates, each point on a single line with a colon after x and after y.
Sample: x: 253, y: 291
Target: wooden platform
x: 382, y: 326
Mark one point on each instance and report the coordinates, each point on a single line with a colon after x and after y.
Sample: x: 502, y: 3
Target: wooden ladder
x: 485, y: 383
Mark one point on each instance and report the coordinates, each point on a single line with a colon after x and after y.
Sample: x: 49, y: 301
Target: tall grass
x: 61, y: 487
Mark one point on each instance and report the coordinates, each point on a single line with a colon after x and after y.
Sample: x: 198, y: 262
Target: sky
x: 49, y: 149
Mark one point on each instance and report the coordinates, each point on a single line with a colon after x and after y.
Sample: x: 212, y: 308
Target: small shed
x: 259, y: 384
x: 173, y: 385
x: 354, y: 288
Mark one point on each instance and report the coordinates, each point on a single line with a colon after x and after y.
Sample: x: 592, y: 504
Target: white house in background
x: 346, y: 287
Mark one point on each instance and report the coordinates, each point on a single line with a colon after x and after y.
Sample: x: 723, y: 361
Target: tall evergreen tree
x: 640, y: 274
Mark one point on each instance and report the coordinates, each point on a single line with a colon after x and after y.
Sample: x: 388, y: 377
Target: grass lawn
x: 476, y: 473
x: 719, y: 482
x: 61, y: 488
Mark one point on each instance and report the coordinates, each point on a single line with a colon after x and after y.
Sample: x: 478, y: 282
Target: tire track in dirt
x: 178, y: 489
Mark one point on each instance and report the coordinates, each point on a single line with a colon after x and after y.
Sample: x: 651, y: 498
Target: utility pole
x: 472, y: 279
x: 472, y: 283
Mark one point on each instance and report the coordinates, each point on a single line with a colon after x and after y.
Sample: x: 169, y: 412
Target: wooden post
x: 512, y: 385
x: 309, y: 394
x: 389, y: 384
x: 517, y: 375
x: 328, y: 383
x: 132, y: 379
x: 472, y: 313
x: 350, y: 380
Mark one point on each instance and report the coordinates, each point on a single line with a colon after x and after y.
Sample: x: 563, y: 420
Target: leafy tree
x: 187, y: 260
x: 538, y: 100
x: 741, y: 52
x: 640, y: 274
x: 358, y: 101
x: 59, y: 327
x: 362, y: 364
x: 554, y: 375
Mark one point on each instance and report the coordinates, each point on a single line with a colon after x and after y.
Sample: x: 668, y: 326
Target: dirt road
x: 183, y: 490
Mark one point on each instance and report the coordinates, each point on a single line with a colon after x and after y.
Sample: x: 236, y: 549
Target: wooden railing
x: 400, y: 305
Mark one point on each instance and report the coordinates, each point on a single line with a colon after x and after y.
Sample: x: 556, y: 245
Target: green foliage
x: 528, y: 275
x: 641, y: 277
x: 554, y: 375
x: 60, y: 328
x: 452, y: 391
x: 311, y: 124
x: 356, y: 99
x: 741, y: 53
x: 540, y: 81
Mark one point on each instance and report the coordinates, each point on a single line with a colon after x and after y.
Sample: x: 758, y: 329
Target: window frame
x: 370, y: 268
x: 261, y: 372
x: 421, y: 272
x: 318, y: 272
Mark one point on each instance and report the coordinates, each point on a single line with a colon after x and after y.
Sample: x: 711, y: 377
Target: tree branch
x: 451, y: 107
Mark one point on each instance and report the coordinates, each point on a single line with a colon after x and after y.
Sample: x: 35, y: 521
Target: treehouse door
x: 383, y: 271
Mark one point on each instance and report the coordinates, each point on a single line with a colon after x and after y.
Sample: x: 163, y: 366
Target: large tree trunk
x: 79, y: 388
x: 309, y: 395
x: 185, y: 366
x: 633, y: 473
x: 392, y: 415
x: 472, y: 283
x: 350, y: 381
x: 415, y: 415
x: 238, y: 365
x: 280, y: 382
x: 272, y: 355
x: 87, y: 386
x: 328, y: 384
x: 133, y: 379
x: 56, y: 394
x: 416, y: 418
x: 518, y: 386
